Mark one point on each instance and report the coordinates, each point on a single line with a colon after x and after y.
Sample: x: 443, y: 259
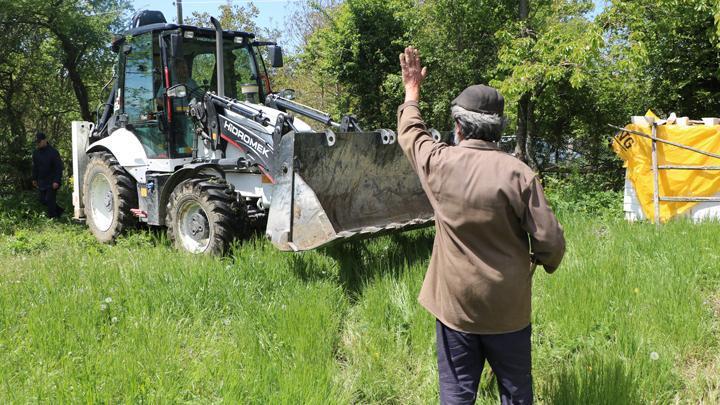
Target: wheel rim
x: 102, y: 202
x: 194, y: 227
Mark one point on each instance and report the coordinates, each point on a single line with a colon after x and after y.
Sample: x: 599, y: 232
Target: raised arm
x: 413, y: 136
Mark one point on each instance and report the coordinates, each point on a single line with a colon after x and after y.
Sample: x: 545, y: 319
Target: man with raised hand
x: 493, y: 226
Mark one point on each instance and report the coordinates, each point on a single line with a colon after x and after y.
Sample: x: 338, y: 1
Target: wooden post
x: 656, y: 184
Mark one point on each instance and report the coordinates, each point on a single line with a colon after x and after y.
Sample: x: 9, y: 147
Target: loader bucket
x: 332, y: 187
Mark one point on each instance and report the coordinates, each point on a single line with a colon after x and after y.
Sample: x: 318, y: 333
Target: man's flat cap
x: 481, y: 98
x: 39, y: 136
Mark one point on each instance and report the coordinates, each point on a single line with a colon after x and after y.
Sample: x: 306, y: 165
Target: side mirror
x: 177, y: 91
x: 276, y: 56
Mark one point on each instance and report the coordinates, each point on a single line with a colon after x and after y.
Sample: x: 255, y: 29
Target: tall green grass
x: 628, y: 318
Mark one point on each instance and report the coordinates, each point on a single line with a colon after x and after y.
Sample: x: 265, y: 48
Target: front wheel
x: 109, y: 194
x: 203, y: 216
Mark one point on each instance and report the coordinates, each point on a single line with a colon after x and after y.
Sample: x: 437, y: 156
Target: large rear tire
x: 203, y: 216
x: 109, y: 195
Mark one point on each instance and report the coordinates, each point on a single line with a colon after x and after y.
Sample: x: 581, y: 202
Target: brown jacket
x: 490, y: 214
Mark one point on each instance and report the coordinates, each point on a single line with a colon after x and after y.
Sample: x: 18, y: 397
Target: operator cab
x: 154, y: 56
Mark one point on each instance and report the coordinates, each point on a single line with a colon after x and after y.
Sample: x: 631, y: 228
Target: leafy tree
x: 231, y: 17
x: 304, y: 72
x: 80, y: 34
x: 53, y: 62
x: 359, y: 45
x: 358, y: 49
x: 672, y: 46
x: 548, y: 57
x: 457, y: 42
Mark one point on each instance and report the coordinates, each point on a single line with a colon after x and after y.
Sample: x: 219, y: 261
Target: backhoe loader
x: 193, y: 138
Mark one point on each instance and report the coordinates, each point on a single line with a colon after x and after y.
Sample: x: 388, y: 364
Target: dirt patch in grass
x: 702, y: 382
x: 715, y: 306
x: 702, y: 375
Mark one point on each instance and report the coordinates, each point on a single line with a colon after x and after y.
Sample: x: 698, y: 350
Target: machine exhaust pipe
x: 219, y: 57
x: 178, y: 3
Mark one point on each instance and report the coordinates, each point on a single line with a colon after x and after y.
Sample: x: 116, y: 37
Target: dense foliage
x: 566, y: 69
x: 54, y: 61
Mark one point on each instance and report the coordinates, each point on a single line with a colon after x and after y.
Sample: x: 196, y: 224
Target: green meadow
x: 632, y: 316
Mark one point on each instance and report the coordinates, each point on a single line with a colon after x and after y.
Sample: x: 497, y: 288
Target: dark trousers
x: 48, y: 199
x: 461, y: 357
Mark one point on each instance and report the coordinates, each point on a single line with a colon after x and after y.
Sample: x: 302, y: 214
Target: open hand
x: 412, y: 73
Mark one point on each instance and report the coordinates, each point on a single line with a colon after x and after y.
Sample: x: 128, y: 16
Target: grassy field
x: 632, y: 316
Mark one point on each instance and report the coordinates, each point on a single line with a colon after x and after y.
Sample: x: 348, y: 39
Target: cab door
x: 143, y: 98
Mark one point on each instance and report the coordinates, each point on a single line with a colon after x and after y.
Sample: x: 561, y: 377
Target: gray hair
x: 475, y: 125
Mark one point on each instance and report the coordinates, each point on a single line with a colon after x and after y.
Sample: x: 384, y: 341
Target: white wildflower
x: 654, y: 356
x: 103, y: 307
x: 108, y: 300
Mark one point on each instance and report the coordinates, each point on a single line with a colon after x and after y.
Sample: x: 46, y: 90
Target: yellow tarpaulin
x: 636, y: 151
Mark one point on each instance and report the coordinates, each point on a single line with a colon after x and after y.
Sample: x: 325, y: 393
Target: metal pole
x: 656, y: 184
x: 178, y: 3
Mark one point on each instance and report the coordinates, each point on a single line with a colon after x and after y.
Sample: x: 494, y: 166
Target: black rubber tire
x: 226, y: 219
x: 124, y: 196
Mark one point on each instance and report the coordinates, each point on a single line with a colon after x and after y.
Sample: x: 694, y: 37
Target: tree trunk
x: 523, y: 146
x: 70, y: 62
x: 530, y: 135
x: 17, y: 156
x: 524, y: 9
x: 522, y: 124
x: 80, y: 91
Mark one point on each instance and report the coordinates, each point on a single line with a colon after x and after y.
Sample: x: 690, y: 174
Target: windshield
x: 195, y: 68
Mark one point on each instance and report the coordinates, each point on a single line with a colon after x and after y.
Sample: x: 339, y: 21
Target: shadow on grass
x: 593, y: 381
x: 362, y: 261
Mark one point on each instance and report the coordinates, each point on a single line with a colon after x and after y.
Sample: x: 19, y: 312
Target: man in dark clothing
x: 493, y: 226
x: 47, y: 174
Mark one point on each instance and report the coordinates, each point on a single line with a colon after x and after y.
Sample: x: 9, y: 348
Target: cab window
x: 142, y: 81
x: 246, y: 75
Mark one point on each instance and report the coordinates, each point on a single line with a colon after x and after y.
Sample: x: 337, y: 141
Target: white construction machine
x: 193, y: 138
